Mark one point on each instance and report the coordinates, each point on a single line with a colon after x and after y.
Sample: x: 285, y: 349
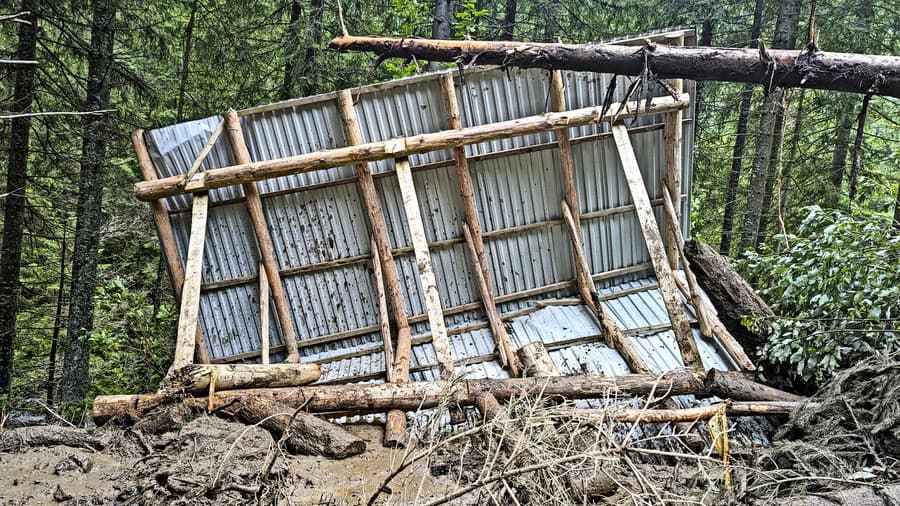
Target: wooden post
x: 395, y: 426
x: 615, y: 339
x: 166, y: 237
x: 472, y: 232
x: 667, y: 287
x: 263, y: 314
x: 672, y: 133
x: 264, y: 240
x: 383, y: 313
x: 190, y: 295
x: 426, y: 272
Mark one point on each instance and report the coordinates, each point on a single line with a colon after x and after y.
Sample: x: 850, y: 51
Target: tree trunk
x: 316, y: 8
x: 198, y: 377
x: 740, y: 140
x: 841, y: 145
x: 706, y: 40
x: 303, y: 433
x: 775, y: 165
x: 551, y: 26
x: 290, y: 51
x: 897, y: 208
x: 735, y: 386
x: 380, y: 397
x: 768, y: 127
x: 732, y: 296
x: 90, y: 191
x: 853, y: 73
x: 509, y: 20
x: 185, y: 63
x: 57, y: 322
x: 441, y: 28
x: 792, y: 155
x: 857, y: 148
x: 14, y: 204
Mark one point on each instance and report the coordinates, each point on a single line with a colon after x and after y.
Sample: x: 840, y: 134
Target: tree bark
x: 897, y: 208
x: 49, y: 435
x: 380, y: 397
x: 186, y: 62
x: 90, y: 192
x: 509, y: 20
x: 792, y: 155
x: 775, y: 165
x: 551, y: 23
x: 732, y: 296
x: 735, y: 386
x: 310, y: 86
x: 198, y: 377
x: 57, y: 323
x: 841, y: 145
x: 773, y: 109
x: 442, y: 12
x: 303, y: 433
x: 16, y: 182
x: 818, y: 70
x: 290, y: 53
x: 857, y: 149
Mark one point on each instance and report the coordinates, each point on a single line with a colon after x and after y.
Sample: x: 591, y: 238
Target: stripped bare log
x: 736, y: 386
x: 760, y: 408
x: 379, y: 397
x: 49, y: 435
x: 195, y: 378
x: 855, y: 73
x: 399, y: 148
x: 303, y: 433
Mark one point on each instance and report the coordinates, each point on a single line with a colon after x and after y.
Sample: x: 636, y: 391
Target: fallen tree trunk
x: 856, y: 73
x: 735, y: 386
x: 304, y: 433
x: 380, y: 397
x: 195, y: 378
x: 732, y: 296
x: 49, y: 435
x: 689, y: 414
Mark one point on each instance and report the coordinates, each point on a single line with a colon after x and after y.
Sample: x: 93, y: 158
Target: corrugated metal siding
x: 329, y: 222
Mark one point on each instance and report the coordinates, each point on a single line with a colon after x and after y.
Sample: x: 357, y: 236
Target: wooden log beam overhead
x: 380, y: 397
x: 263, y: 238
x: 680, y: 324
x: 166, y: 237
x: 472, y: 233
x: 402, y: 147
x: 856, y: 73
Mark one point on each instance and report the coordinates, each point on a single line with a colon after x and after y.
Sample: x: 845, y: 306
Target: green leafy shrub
x: 836, y: 285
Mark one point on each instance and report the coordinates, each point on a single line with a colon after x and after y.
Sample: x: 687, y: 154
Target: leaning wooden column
x: 395, y: 425
x: 567, y: 161
x: 680, y: 324
x: 472, y: 232
x: 672, y: 132
x: 264, y: 240
x: 166, y: 237
x: 190, y: 295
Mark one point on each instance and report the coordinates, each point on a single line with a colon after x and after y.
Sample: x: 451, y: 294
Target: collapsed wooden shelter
x: 433, y: 228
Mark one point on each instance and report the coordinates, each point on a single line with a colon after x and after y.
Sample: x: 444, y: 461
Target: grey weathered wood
x: 190, y: 294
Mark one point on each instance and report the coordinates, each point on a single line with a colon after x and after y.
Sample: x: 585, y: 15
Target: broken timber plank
x: 615, y: 339
x: 426, y: 272
x: 667, y: 287
x: 472, y: 232
x: 383, y: 313
x: 355, y: 154
x: 166, y: 237
x: 672, y: 133
x: 263, y: 238
x: 395, y: 426
x: 190, y: 294
x: 263, y: 314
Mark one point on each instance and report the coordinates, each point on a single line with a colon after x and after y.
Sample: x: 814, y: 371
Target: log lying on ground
x: 306, y: 434
x: 194, y: 378
x: 732, y: 296
x: 380, y: 397
x: 396, y: 148
x: 49, y: 435
x: 857, y: 73
x: 736, y: 386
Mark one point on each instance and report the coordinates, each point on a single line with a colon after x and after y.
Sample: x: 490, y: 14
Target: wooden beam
x: 388, y: 346
x: 667, y: 287
x: 426, y: 272
x: 402, y: 147
x: 263, y: 313
x: 190, y: 295
x: 472, y: 232
x: 672, y: 133
x: 855, y: 73
x: 683, y: 415
x: 166, y: 238
x: 567, y: 161
x: 615, y: 339
x: 263, y: 238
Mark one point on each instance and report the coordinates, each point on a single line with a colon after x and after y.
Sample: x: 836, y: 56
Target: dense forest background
x: 802, y: 186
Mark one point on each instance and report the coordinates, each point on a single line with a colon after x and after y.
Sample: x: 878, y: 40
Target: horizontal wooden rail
x: 394, y: 148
